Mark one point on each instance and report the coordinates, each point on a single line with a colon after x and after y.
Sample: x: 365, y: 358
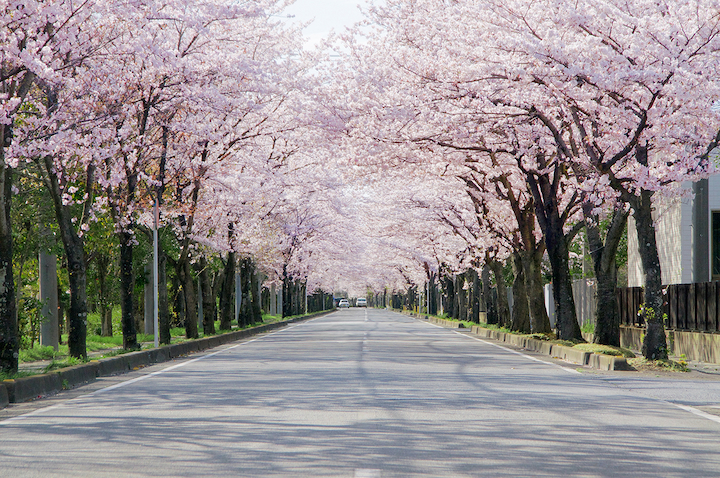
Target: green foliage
x: 643, y: 364
x: 13, y: 376
x: 588, y: 328
x: 66, y: 362
x: 29, y: 321
x: 38, y: 352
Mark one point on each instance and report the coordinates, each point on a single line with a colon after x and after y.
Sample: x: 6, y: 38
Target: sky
x: 327, y: 15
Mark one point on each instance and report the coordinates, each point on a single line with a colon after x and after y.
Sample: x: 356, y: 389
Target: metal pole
x: 156, y: 286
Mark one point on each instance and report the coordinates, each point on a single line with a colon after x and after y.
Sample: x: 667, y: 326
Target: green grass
x: 588, y: 328
x: 39, y: 352
x: 66, y: 362
x: 605, y: 350
x: 13, y: 376
x: 112, y: 345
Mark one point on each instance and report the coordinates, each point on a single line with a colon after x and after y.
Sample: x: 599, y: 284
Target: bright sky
x: 327, y: 14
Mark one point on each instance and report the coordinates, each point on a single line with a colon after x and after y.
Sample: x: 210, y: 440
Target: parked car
x: 343, y: 303
x: 361, y: 302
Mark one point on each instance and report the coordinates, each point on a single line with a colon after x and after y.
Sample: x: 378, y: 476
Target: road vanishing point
x: 368, y: 393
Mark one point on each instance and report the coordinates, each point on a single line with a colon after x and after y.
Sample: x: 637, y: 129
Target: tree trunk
x: 521, y: 312
x: 187, y: 282
x: 286, y: 293
x: 491, y: 313
x: 127, y: 285
x: 76, y: 264
x: 227, y: 293
x: 208, y: 299
x: 449, y: 296
x: 475, y: 297
x: 654, y: 346
x: 532, y: 272
x: 565, y: 314
x: 503, y: 307
x: 256, y: 299
x: 9, y: 336
x: 103, y: 264
x: 607, y: 315
x: 433, y: 295
x: 163, y: 299
x: 245, y: 318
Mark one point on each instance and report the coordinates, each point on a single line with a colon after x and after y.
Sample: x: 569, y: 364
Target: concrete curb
x: 37, y: 386
x: 568, y: 354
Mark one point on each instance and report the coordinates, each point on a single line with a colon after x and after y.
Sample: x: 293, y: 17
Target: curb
x: 33, y: 387
x: 568, y: 354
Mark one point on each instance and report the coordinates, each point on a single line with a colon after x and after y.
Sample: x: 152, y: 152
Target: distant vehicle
x: 343, y: 303
x: 361, y: 302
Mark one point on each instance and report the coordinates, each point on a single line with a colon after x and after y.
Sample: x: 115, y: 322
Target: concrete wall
x: 674, y: 232
x: 696, y: 346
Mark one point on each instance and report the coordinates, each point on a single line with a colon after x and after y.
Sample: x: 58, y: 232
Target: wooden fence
x: 693, y: 307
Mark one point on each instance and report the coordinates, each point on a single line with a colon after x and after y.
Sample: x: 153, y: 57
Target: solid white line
x: 567, y: 369
x: 535, y: 359
x: 143, y: 377
x: 697, y: 412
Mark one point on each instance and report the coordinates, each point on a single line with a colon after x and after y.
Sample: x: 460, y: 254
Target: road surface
x: 368, y: 393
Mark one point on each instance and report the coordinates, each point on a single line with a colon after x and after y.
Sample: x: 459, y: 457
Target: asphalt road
x: 368, y: 393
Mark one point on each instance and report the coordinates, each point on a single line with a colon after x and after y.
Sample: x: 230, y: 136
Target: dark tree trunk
x: 187, y: 282
x: 227, y: 293
x: 459, y: 305
x: 491, y: 313
x: 433, y: 295
x: 607, y: 315
x: 208, y: 299
x: 256, y: 297
x: 503, y: 307
x: 521, y: 311
x: 287, y: 295
x: 475, y: 297
x: 532, y: 273
x: 103, y: 264
x: 565, y: 315
x: 245, y: 317
x: 9, y: 336
x: 76, y: 264
x: 163, y: 299
x: 450, y: 310
x: 654, y: 346
x: 127, y: 285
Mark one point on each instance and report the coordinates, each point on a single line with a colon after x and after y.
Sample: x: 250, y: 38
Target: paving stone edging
x: 36, y: 386
x: 568, y: 354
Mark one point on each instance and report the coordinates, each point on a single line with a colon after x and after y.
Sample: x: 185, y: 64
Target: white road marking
x: 695, y: 411
x: 143, y: 377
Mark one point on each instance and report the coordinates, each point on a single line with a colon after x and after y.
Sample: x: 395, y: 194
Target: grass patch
x: 13, y: 376
x: 38, y: 352
x: 66, y: 362
x: 644, y: 365
x: 485, y: 325
x: 588, y: 328
x: 605, y: 350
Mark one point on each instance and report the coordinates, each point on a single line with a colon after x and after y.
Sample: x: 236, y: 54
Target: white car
x: 343, y: 303
x: 361, y: 302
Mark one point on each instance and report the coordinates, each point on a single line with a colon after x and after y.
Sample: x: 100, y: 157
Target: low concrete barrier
x: 29, y: 388
x: 79, y: 374
x: 4, y: 398
x: 608, y: 362
x: 36, y: 386
x: 570, y: 354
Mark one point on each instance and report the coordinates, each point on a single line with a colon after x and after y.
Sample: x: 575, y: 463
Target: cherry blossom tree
x: 630, y: 86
